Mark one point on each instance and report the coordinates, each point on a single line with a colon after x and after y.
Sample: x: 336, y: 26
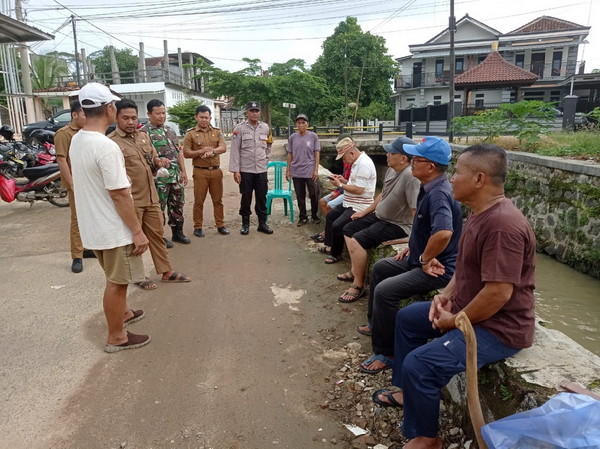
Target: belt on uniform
x: 207, y: 168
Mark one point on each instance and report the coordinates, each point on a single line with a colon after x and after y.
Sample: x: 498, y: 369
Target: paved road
x: 236, y: 358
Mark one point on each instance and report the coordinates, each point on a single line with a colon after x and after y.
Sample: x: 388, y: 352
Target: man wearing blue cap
x: 493, y: 285
x: 428, y: 263
x: 388, y: 218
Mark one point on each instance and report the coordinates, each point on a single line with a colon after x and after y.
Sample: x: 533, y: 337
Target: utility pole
x: 25, y: 70
x: 76, y: 51
x: 452, y: 31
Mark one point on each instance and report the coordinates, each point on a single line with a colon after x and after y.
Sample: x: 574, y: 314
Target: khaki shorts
x: 120, y: 265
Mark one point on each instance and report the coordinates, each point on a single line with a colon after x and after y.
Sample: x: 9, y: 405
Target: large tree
x: 356, y: 66
x: 282, y: 82
x: 126, y: 60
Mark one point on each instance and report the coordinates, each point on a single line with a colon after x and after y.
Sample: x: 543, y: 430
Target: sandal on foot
x: 387, y: 364
x: 332, y: 259
x: 147, y: 285
x: 324, y: 250
x: 351, y: 297
x: 133, y: 341
x: 177, y: 277
x: 137, y: 315
x: 361, y: 330
x: 346, y: 277
x: 389, y: 395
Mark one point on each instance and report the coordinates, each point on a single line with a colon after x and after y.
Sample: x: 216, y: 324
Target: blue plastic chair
x: 278, y: 191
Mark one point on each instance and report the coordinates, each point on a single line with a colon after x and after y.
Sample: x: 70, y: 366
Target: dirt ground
x: 245, y: 356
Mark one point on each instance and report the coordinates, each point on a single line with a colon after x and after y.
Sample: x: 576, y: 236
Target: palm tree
x: 47, y: 71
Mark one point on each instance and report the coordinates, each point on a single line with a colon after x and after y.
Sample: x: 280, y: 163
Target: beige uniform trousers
x: 208, y: 181
x: 152, y: 225
x: 76, y: 245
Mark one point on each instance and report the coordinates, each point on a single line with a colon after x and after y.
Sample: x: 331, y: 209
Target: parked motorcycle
x: 43, y: 148
x: 41, y: 184
x: 17, y: 155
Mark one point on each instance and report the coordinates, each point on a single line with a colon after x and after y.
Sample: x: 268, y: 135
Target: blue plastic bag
x: 567, y: 421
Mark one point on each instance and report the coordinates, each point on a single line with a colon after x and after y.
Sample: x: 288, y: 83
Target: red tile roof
x: 495, y: 71
x: 546, y: 23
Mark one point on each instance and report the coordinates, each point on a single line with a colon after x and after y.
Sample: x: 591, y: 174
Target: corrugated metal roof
x: 12, y: 31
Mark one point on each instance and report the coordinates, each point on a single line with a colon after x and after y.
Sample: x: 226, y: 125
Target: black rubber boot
x: 264, y: 227
x: 178, y: 235
x: 245, y: 229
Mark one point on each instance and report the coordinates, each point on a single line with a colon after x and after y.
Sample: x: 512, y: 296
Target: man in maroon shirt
x: 493, y: 284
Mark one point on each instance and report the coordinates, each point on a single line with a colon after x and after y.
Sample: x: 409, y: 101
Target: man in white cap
x: 106, y: 215
x: 359, y: 191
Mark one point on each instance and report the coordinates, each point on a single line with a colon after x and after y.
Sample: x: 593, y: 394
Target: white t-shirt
x: 98, y: 166
x: 363, y: 174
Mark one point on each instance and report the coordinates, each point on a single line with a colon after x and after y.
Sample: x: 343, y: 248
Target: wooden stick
x: 463, y: 323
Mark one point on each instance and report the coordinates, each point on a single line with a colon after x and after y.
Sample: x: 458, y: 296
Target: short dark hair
x: 203, y: 108
x: 75, y: 106
x: 491, y: 159
x: 125, y: 103
x: 440, y: 167
x: 155, y: 103
x: 96, y: 112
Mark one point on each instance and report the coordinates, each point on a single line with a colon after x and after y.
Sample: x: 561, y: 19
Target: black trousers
x: 259, y: 184
x: 300, y: 186
x: 391, y: 281
x: 335, y: 221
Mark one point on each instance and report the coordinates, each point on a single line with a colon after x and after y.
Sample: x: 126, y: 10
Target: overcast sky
x: 225, y: 31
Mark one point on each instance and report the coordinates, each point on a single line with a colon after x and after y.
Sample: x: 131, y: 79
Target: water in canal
x: 569, y: 301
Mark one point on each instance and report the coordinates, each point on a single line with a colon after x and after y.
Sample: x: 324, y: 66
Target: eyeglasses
x: 414, y: 159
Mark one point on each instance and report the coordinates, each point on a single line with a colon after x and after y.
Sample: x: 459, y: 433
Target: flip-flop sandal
x: 147, y: 285
x: 176, y: 277
x: 389, y: 395
x: 137, y: 315
x: 324, y: 250
x: 361, y: 331
x: 346, y: 277
x: 387, y: 364
x: 353, y: 296
x: 332, y: 259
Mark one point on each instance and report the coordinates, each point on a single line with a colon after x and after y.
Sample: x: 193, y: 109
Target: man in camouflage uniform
x: 170, y: 188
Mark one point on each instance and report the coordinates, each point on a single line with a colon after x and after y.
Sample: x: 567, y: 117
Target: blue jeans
x: 421, y: 369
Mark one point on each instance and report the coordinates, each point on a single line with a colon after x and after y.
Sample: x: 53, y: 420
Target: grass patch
x: 584, y: 144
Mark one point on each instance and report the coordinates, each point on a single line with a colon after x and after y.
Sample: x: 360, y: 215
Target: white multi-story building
x: 546, y: 46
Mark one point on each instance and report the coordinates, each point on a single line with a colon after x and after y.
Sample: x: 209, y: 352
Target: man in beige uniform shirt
x: 62, y: 142
x: 139, y: 152
x: 203, y: 144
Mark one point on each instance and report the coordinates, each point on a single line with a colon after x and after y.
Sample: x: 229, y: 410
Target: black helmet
x: 7, y: 132
x: 42, y: 136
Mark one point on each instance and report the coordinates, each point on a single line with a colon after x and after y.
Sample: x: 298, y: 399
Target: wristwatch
x: 421, y: 260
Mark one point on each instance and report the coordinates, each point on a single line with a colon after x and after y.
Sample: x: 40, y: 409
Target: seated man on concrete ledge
x: 493, y: 284
x: 428, y: 263
x: 389, y: 217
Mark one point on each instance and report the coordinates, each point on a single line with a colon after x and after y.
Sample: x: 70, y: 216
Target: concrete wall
x: 561, y: 200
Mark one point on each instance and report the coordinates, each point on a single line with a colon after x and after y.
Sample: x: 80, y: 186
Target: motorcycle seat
x: 39, y: 172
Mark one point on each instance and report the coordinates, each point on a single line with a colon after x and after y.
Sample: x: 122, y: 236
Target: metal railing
x: 332, y: 131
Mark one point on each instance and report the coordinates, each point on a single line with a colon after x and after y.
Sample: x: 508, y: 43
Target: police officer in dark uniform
x: 250, y: 153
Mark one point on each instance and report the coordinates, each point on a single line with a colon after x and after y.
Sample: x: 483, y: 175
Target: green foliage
x: 595, y: 114
x: 48, y: 71
x: 287, y: 82
x: 585, y: 143
x: 126, y: 60
x: 183, y: 114
x: 529, y: 118
x: 349, y: 55
x: 377, y: 110
x: 505, y: 393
